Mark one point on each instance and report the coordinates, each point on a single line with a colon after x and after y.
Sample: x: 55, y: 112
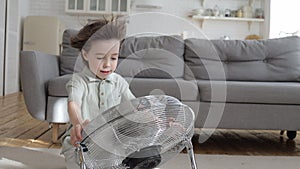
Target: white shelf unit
x: 250, y: 2
x: 90, y: 7
x: 249, y: 20
x: 202, y: 18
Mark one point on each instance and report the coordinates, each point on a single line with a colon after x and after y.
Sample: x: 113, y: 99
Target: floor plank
x: 36, y: 131
x: 18, y: 128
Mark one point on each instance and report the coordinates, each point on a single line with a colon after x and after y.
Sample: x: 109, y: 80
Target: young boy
x: 97, y: 87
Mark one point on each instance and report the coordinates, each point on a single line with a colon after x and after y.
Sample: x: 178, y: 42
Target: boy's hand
x: 76, y: 133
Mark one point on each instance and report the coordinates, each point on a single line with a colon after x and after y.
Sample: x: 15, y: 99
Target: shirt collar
x: 93, y: 78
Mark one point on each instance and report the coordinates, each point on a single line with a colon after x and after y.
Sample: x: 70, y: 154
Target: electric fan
x: 142, y: 133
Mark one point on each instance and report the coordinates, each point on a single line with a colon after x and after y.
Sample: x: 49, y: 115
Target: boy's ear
x: 84, y: 55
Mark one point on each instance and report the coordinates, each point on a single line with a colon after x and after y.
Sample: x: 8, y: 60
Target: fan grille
x: 134, y: 125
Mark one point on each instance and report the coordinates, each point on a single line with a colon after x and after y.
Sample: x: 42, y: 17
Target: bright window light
x: 284, y: 16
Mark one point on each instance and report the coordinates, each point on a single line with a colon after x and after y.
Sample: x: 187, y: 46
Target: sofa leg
x: 281, y: 132
x: 291, y: 134
x: 55, y: 128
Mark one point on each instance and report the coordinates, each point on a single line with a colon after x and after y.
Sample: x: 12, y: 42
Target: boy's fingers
x: 73, y: 137
x: 85, y: 122
x: 78, y: 130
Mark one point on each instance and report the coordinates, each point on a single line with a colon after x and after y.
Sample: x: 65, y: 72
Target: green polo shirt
x: 95, y: 95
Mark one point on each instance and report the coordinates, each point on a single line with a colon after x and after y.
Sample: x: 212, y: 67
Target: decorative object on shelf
x: 233, y: 13
x: 225, y: 37
x: 216, y: 11
x: 249, y: 20
x: 243, y: 14
x: 253, y: 37
x: 227, y: 13
x: 239, y: 13
x: 247, y: 11
x: 259, y: 13
x: 198, y: 11
x: 208, y: 12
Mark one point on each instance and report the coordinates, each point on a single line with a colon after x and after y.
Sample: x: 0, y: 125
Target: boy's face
x: 102, y: 57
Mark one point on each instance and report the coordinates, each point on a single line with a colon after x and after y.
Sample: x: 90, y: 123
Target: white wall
x: 179, y: 8
x: 211, y: 29
x: 16, y: 9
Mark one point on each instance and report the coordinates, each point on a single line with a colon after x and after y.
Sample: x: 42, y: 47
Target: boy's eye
x: 114, y: 58
x: 100, y: 55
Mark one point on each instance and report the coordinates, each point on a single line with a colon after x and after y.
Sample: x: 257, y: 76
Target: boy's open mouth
x: 104, y: 72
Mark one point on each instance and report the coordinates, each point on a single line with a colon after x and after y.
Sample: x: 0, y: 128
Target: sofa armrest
x: 36, y: 69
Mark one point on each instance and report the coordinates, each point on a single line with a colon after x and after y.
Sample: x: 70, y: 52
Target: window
x: 284, y: 17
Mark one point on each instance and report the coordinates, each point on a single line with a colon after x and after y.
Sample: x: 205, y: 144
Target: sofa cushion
x: 152, y: 57
x: 179, y: 88
x: 243, y: 60
x: 251, y: 92
x: 70, y: 56
x: 57, y: 85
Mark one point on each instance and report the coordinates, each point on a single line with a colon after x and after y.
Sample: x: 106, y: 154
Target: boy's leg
x: 70, y: 159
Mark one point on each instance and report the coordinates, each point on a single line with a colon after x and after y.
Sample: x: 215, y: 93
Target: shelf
x: 227, y: 18
x: 250, y: 2
x: 203, y: 18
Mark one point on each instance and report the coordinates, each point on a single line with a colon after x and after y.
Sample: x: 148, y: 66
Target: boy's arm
x: 74, y: 113
x: 75, y: 92
x: 77, y: 122
x: 75, y: 89
x: 125, y: 91
x: 127, y: 95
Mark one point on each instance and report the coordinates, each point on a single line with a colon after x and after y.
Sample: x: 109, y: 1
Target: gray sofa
x: 230, y: 84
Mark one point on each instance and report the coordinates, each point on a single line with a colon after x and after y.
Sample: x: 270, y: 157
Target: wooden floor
x: 18, y: 128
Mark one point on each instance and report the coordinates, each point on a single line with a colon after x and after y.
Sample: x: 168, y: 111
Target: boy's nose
x: 106, y: 63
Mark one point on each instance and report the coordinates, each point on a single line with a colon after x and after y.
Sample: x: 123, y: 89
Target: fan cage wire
x: 154, y: 129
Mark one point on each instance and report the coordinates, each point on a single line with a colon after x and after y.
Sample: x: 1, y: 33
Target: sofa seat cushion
x: 182, y: 89
x: 57, y: 85
x: 252, y: 92
x: 152, y: 57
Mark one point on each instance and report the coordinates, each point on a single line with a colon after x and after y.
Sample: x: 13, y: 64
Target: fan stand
x: 188, y: 144
x: 80, y: 149
x: 189, y: 148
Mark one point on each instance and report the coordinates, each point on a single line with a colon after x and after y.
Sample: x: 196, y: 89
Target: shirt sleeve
x: 125, y: 91
x: 75, y: 89
x: 127, y: 95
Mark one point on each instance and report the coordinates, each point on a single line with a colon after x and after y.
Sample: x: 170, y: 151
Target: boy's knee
x: 70, y: 159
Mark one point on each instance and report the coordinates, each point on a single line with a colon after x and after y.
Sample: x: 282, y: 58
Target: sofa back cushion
x: 156, y: 57
x: 243, y: 60
x: 69, y: 54
x: 152, y: 57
